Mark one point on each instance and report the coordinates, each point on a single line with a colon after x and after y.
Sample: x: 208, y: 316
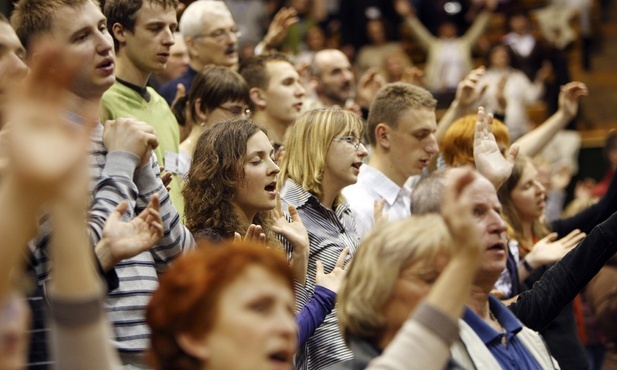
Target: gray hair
x: 192, y: 21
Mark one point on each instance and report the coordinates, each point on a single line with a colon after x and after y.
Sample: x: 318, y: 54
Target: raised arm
x: 435, y: 320
x: 468, y: 92
x: 487, y: 156
x: 296, y: 234
x: 534, y: 141
x: 277, y: 30
x: 42, y: 146
x: 408, y: 13
x: 479, y: 24
x: 47, y: 156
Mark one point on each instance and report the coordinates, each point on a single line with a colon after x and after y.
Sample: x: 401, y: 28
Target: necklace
x: 501, y: 330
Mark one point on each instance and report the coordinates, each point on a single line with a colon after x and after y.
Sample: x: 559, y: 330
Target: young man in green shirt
x: 143, y: 33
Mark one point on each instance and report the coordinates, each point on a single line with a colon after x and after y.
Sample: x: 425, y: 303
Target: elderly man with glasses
x: 211, y: 36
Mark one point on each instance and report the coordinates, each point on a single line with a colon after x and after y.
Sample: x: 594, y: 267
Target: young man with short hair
x: 143, y: 33
x: 122, y: 166
x: 401, y: 129
x: 276, y: 92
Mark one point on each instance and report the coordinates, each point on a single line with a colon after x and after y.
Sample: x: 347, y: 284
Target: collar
x: 142, y: 91
x: 295, y: 195
x: 486, y: 333
x: 382, y: 185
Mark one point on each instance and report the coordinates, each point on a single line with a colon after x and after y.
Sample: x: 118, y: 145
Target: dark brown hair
x: 254, y: 69
x: 214, y: 85
x: 124, y: 12
x: 217, y: 168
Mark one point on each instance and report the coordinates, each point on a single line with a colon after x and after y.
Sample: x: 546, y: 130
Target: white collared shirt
x: 373, y: 185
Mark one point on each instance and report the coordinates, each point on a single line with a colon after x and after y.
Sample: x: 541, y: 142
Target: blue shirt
x: 513, y: 356
x: 169, y: 89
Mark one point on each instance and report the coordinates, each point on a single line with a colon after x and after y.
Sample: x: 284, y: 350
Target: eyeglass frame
x: 247, y: 111
x: 346, y: 139
x: 222, y: 34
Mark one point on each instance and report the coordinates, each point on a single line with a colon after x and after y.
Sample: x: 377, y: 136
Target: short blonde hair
x: 457, y: 143
x: 307, y: 142
x: 381, y: 257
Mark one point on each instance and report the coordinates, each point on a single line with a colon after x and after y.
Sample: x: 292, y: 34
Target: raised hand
x: 48, y: 128
x: 468, y: 91
x: 413, y: 75
x: 293, y: 231
x: 487, y: 155
x: 403, y: 8
x: 378, y: 214
x: 457, y: 212
x: 277, y: 30
x: 568, y: 97
x: 548, y: 250
x: 334, y: 279
x: 166, y: 178
x: 122, y: 240
x: 254, y: 234
x: 368, y: 86
x: 296, y: 234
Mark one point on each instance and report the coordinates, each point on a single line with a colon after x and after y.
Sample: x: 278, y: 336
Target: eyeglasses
x: 237, y: 110
x: 350, y: 140
x: 222, y: 34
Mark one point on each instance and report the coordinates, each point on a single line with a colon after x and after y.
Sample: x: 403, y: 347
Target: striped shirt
x: 115, y: 177
x: 329, y: 233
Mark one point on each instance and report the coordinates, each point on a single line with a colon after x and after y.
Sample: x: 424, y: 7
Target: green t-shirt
x: 120, y: 101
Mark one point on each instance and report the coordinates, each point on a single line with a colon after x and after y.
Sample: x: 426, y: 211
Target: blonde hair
x: 381, y: 257
x: 307, y: 142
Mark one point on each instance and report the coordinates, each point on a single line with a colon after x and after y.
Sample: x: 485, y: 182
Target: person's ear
x: 197, y: 348
x: 382, y: 135
x: 118, y: 32
x: 191, y: 45
x: 202, y: 115
x: 257, y: 96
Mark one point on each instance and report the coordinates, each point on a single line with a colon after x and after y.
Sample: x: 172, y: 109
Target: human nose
x: 300, y: 91
x: 540, y: 189
x: 18, y: 68
x: 496, y: 222
x: 105, y: 43
x: 232, y: 36
x: 168, y: 38
x: 286, y: 325
x: 362, y: 152
x: 432, y: 147
x: 274, y: 168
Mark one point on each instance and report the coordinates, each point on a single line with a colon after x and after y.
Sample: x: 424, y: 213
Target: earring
x: 202, y: 124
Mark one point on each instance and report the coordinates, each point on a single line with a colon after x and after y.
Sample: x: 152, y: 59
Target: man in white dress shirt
x: 401, y: 129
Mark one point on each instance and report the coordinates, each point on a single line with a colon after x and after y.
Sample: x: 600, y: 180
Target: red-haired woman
x: 233, y: 308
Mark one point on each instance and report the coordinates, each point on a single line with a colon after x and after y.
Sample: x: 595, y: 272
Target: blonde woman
x: 323, y: 154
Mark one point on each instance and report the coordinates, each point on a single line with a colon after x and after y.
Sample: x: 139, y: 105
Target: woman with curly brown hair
x: 230, y: 191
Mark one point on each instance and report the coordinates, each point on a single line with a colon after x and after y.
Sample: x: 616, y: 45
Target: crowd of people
x: 180, y: 190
